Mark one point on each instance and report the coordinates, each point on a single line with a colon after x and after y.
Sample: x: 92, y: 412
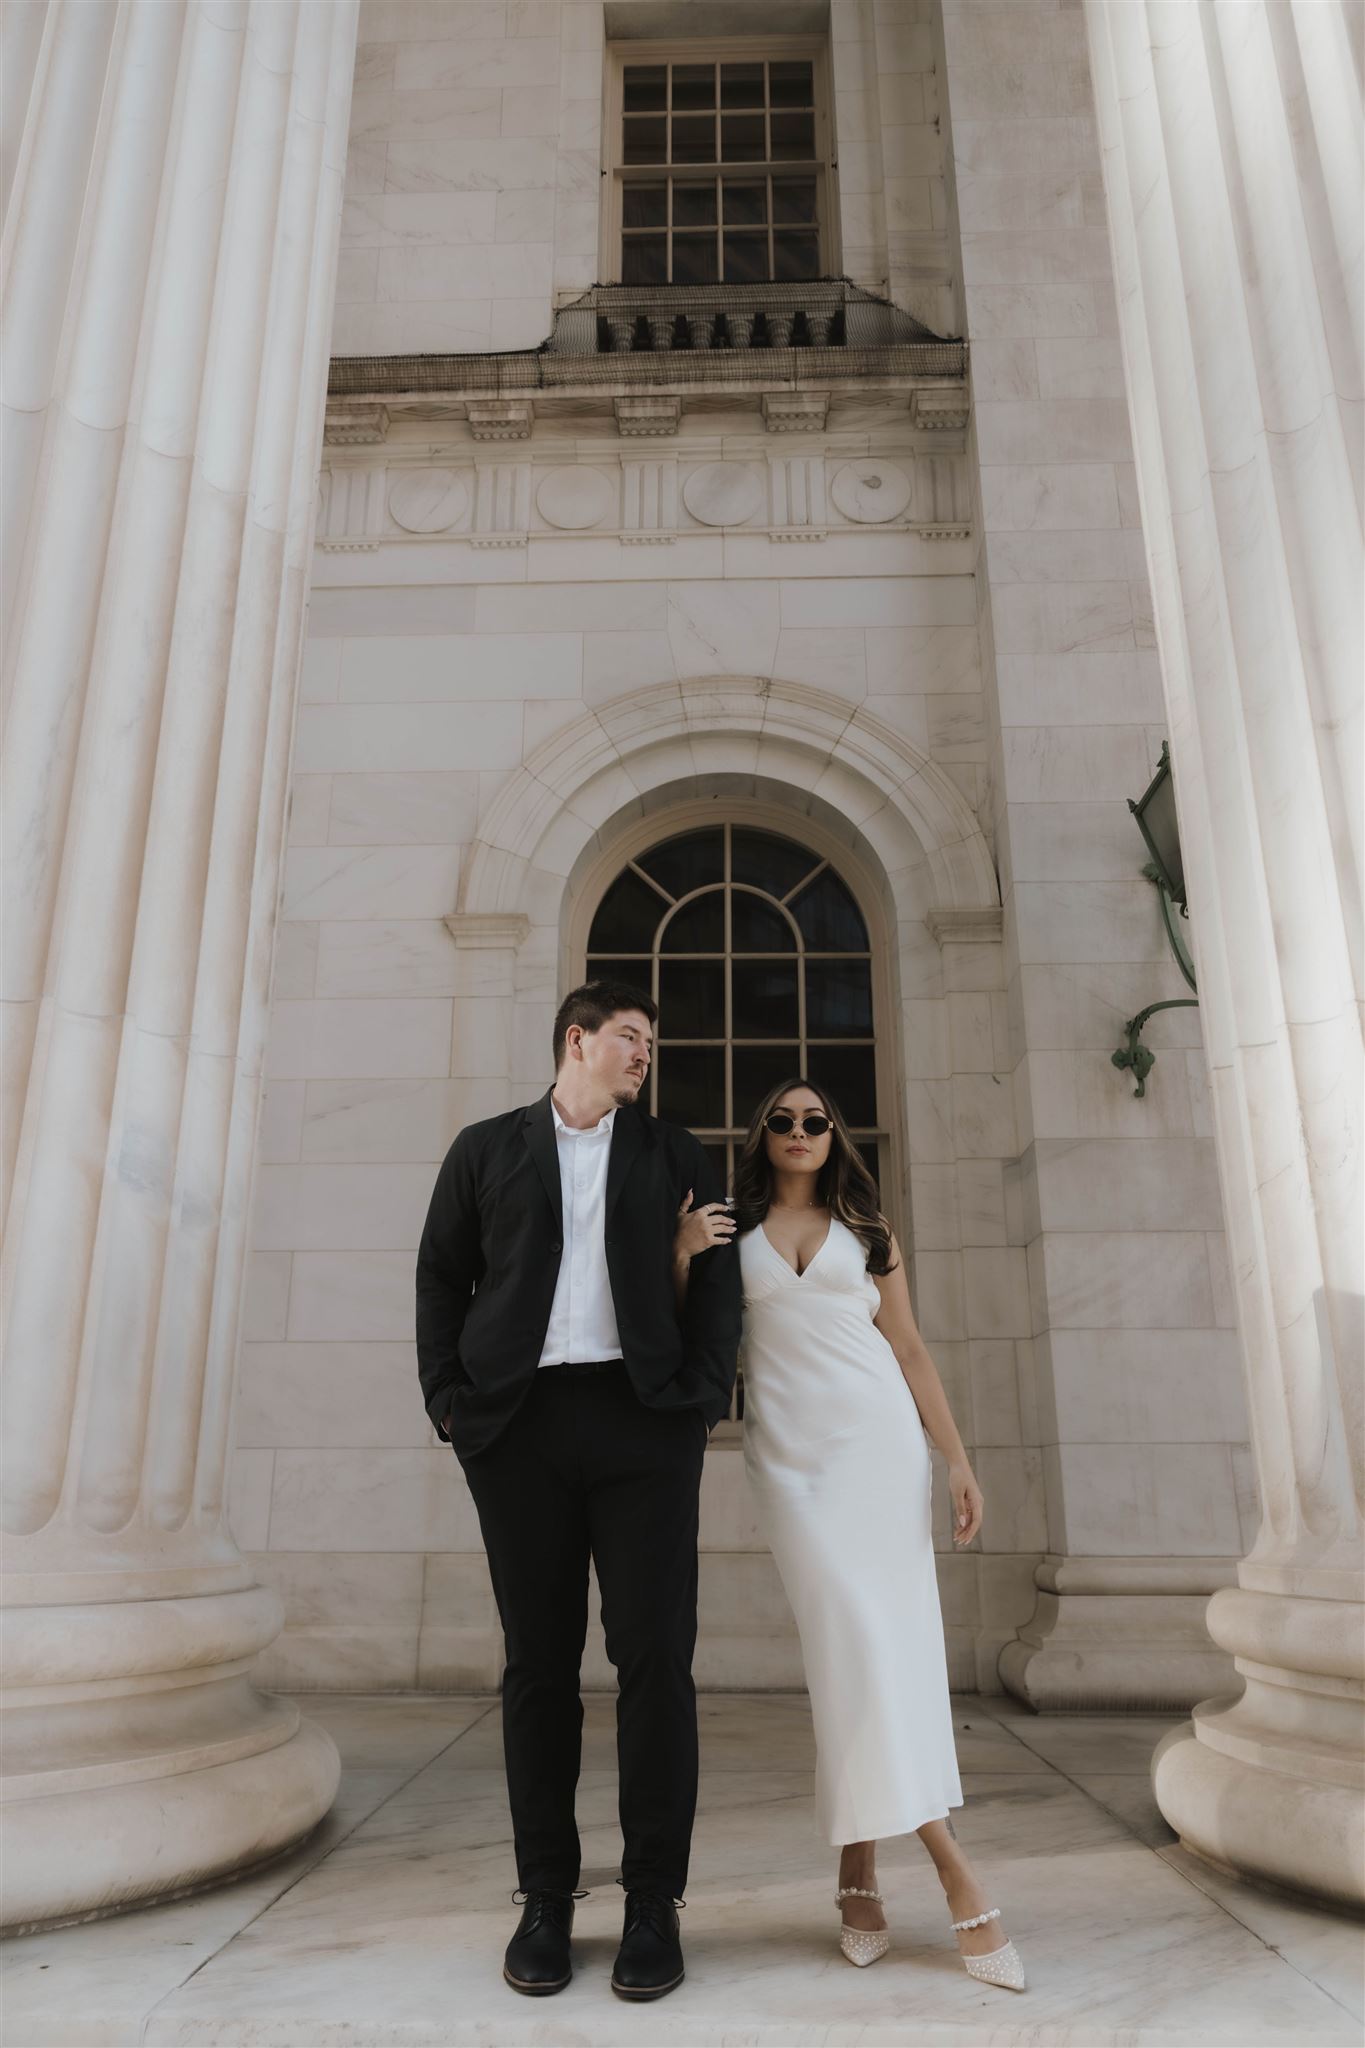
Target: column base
x: 1116, y: 1633
x: 141, y: 1762
x: 81, y: 1855
x: 1269, y: 1786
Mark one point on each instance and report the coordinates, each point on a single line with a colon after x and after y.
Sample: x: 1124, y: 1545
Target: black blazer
x: 489, y: 1260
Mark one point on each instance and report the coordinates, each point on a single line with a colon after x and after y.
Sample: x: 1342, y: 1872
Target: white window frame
x: 736, y: 49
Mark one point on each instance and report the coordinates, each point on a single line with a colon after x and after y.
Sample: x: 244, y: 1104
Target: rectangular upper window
x: 720, y: 167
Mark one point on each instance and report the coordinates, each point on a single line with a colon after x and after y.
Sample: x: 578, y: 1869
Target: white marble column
x: 170, y: 243
x: 1232, y: 141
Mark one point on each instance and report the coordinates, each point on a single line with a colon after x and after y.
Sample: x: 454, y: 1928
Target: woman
x: 839, y: 1390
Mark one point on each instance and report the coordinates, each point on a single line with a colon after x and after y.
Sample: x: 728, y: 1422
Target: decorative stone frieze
x: 500, y: 419
x: 646, y: 418
x: 869, y: 493
x: 795, y: 412
x: 354, y: 426
x: 640, y: 500
x: 722, y: 493
x: 937, y: 410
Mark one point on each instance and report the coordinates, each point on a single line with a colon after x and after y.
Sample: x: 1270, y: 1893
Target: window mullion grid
x: 728, y: 935
x: 654, y: 992
x: 668, y: 219
x: 801, y: 1001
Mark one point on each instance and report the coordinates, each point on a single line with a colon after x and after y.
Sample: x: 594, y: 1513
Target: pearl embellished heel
x: 1003, y: 1966
x: 862, y: 1945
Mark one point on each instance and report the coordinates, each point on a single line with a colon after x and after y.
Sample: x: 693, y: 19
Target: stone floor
x: 387, y: 1927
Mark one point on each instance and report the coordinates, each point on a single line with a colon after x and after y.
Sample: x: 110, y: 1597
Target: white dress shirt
x: 583, y: 1316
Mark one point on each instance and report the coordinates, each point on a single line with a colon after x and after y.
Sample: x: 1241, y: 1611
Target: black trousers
x: 585, y: 1471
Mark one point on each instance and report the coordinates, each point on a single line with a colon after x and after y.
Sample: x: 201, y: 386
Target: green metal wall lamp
x: 1156, y: 820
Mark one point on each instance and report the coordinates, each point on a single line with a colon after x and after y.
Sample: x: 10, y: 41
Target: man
x: 578, y: 1394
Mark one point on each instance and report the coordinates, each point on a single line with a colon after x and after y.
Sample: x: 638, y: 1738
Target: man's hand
x: 699, y: 1229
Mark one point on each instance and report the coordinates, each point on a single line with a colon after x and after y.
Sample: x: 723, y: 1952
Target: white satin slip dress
x: 839, y: 1465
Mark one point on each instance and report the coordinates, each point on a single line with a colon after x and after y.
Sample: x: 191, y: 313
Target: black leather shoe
x: 649, y: 1961
x: 538, y: 1959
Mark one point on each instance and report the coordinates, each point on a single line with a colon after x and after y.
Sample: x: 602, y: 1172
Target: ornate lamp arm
x: 1138, y: 1056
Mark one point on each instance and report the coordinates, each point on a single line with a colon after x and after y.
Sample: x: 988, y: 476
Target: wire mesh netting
x: 675, y: 336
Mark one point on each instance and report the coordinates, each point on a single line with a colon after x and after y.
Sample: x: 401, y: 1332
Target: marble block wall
x: 472, y: 185
x: 442, y: 682
x: 496, y: 705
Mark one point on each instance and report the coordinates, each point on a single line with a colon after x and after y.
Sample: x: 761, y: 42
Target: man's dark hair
x: 591, y: 1006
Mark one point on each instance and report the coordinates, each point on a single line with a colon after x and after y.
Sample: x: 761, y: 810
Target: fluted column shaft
x: 170, y: 244
x: 1231, y: 133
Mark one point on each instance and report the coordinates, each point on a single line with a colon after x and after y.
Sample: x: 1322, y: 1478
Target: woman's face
x: 796, y: 1150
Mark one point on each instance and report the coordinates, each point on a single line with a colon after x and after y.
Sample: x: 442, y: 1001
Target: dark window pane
x: 869, y: 1155
x: 691, y: 999
x: 746, y: 259
x: 694, y: 138
x: 697, y: 928
x: 793, y: 199
x: 838, y: 998
x: 741, y: 85
x: 694, y: 87
x: 719, y: 1161
x: 791, y: 85
x: 793, y: 136
x: 644, y: 141
x: 756, y: 1069
x: 627, y: 917
x: 696, y: 259
x: 768, y: 861
x: 644, y: 88
x: 694, y: 206
x: 763, y: 999
x: 796, y: 256
x: 644, y: 206
x: 688, y: 862
x: 849, y: 1074
x: 830, y: 920
x: 635, y: 972
x: 745, y: 206
x: 757, y: 927
x: 741, y: 138
x: 644, y: 259
x: 692, y: 1085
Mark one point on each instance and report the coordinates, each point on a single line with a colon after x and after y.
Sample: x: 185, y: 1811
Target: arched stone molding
x: 793, y: 735
x: 800, y: 760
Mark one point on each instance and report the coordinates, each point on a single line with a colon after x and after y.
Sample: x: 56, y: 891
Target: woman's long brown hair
x: 844, y: 1185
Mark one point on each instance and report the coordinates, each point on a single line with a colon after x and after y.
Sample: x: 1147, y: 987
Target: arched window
x: 757, y: 955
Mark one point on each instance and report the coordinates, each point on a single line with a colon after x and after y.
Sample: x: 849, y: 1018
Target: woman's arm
x: 896, y: 1321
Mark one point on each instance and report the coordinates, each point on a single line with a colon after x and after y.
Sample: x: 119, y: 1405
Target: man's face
x: 617, y: 1057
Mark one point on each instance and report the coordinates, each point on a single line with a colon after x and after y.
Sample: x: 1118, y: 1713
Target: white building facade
x: 773, y: 622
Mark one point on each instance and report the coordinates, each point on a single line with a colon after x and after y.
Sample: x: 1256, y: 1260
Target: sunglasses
x: 814, y: 1124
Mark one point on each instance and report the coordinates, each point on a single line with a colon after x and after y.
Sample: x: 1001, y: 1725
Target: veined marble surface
x: 388, y: 1927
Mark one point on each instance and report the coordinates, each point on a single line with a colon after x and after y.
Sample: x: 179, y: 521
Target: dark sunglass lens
x: 816, y: 1126
x: 779, y: 1123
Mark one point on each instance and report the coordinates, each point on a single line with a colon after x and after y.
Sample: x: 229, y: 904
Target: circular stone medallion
x: 722, y: 493
x: 870, y: 491
x: 574, y: 498
x: 427, y: 500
